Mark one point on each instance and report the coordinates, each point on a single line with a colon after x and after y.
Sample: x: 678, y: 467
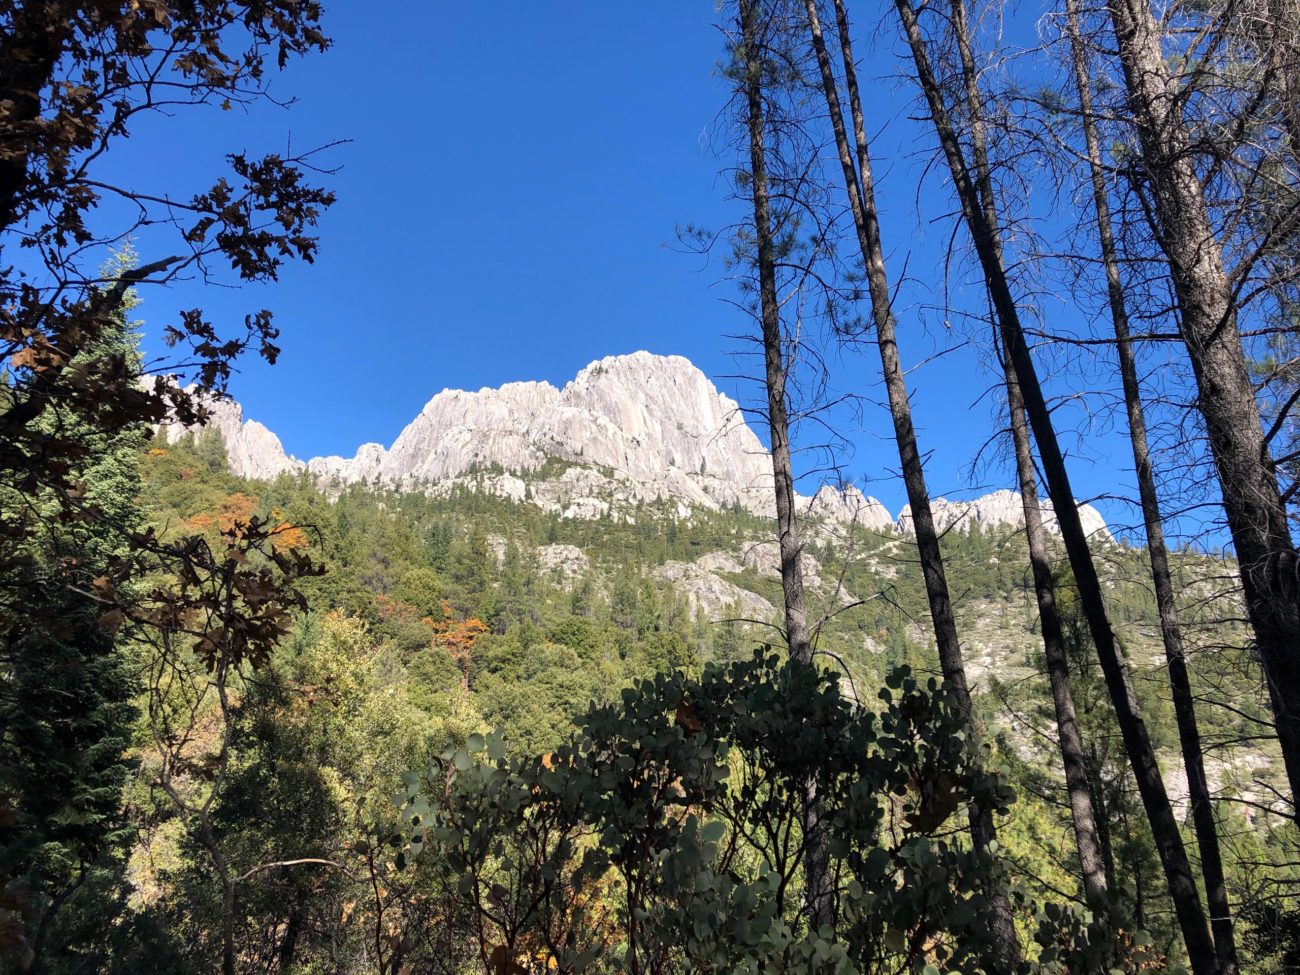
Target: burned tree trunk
x: 1207, y: 310
x: 859, y: 186
x: 819, y: 893
x: 1137, y: 740
x: 1189, y: 736
x: 1074, y: 758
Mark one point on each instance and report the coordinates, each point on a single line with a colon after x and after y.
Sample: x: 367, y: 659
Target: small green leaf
x: 713, y: 831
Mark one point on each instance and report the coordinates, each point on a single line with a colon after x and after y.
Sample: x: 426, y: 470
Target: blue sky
x: 507, y: 207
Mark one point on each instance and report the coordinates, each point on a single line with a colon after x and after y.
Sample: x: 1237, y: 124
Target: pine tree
x: 65, y: 701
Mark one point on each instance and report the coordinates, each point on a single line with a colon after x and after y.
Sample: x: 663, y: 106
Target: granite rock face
x: 566, y: 561
x: 654, y: 421
x: 999, y: 508
x: 850, y: 507
x: 712, y: 595
x: 252, y: 450
x: 627, y: 430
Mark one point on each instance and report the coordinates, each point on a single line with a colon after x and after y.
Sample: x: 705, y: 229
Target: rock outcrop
x: 626, y: 431
x: 999, y: 508
x: 567, y: 561
x: 850, y: 507
x: 656, y: 422
x: 252, y: 450
x: 712, y: 595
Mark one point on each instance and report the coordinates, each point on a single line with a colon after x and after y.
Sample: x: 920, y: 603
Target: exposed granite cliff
x: 252, y: 450
x: 626, y: 430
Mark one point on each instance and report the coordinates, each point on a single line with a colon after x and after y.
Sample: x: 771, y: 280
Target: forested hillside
x: 444, y: 618
x: 602, y: 668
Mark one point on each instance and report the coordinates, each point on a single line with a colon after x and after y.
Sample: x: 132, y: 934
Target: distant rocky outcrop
x: 252, y: 450
x: 625, y: 431
x: 568, y: 561
x: 850, y: 506
x: 712, y: 595
x: 999, y: 508
x: 654, y: 421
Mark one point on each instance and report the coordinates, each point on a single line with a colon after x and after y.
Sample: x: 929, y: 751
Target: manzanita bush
x: 668, y: 835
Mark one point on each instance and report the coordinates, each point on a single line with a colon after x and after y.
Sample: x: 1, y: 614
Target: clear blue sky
x: 507, y: 207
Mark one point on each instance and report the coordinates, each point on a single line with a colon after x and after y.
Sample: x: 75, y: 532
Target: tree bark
x: 1256, y: 515
x: 1137, y: 740
x: 1074, y: 760
x: 860, y: 188
x: 1189, y: 736
x: 818, y: 896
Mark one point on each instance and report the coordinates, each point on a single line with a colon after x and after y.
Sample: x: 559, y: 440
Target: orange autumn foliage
x: 399, y: 611
x: 457, y: 637
x: 289, y: 536
x: 234, y: 509
x: 286, y: 536
x: 238, y: 508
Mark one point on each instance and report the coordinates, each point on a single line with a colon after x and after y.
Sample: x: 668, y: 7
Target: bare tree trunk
x: 1071, y: 739
x: 1189, y: 735
x: 859, y: 184
x: 817, y: 874
x: 1087, y: 840
x: 227, y: 927
x: 1137, y: 740
x: 1208, y: 321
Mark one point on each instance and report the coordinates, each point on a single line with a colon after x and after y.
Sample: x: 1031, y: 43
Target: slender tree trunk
x: 1137, y: 740
x: 1256, y: 514
x: 37, y: 964
x: 1098, y: 790
x: 1189, y: 735
x: 819, y: 895
x: 227, y: 929
x: 292, y: 930
x: 859, y: 184
x: 1087, y: 840
x: 1275, y: 36
x: 1071, y: 739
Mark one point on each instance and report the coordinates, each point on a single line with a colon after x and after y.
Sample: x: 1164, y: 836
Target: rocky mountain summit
x: 655, y: 424
x: 626, y: 430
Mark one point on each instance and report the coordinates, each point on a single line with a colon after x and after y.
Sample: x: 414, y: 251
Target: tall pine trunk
x: 818, y: 896
x: 1189, y: 735
x: 1137, y: 740
x: 1207, y: 310
x: 1074, y: 758
x: 860, y: 189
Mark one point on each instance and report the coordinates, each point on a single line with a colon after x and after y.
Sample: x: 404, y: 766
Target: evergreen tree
x: 65, y: 700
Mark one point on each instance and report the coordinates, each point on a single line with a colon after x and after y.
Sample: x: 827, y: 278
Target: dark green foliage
x: 665, y: 835
x: 66, y: 715
x: 66, y: 698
